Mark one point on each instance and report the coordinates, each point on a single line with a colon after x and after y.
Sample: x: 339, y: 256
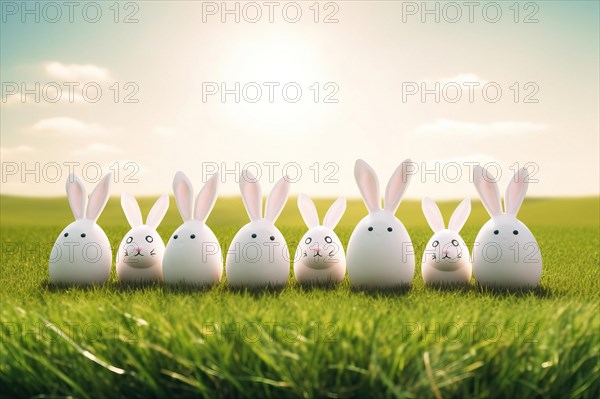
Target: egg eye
x: 515, y: 232
x: 390, y: 229
x: 272, y: 238
x: 253, y: 235
x: 455, y: 243
x: 193, y: 236
x: 370, y: 228
x: 328, y: 240
x: 82, y: 235
x: 149, y: 238
x: 129, y: 240
x: 308, y: 240
x: 66, y: 234
x: 175, y: 236
x: 496, y: 232
x: 435, y: 243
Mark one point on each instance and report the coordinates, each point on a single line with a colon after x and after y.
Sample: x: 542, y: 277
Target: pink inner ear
x: 488, y: 191
x: 397, y: 186
x: 308, y: 211
x: 182, y: 188
x: 251, y: 195
x: 206, y: 199
x: 131, y: 209
x: 368, y: 184
x: 460, y: 215
x: 158, y: 211
x: 335, y: 213
x: 98, y: 198
x: 432, y: 214
x: 76, y: 196
x: 515, y: 192
x: 276, y: 199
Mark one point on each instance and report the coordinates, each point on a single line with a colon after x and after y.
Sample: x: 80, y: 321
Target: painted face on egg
x: 190, y: 234
x: 506, y: 231
x: 446, y: 251
x: 193, y: 254
x: 259, y: 242
x: 379, y: 231
x: 81, y: 242
x: 505, y: 252
x: 258, y: 254
x: 380, y: 251
x: 82, y: 253
x: 320, y: 256
x: 141, y: 248
x: 319, y: 248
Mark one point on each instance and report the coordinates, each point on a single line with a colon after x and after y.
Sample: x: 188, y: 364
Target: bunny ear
x: 158, y: 211
x: 206, y: 198
x: 397, y: 186
x: 251, y: 195
x: 76, y: 196
x: 432, y: 214
x: 488, y: 191
x: 460, y: 215
x: 335, y: 213
x: 368, y: 184
x: 131, y: 209
x: 184, y: 194
x: 98, y: 198
x: 276, y: 199
x: 308, y: 211
x: 515, y: 192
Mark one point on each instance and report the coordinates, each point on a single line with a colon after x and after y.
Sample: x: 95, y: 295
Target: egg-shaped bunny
x: 82, y: 253
x: 193, y: 254
x: 258, y: 255
x: 446, y: 259
x: 320, y: 257
x: 140, y: 254
x: 380, y: 251
x: 505, y: 253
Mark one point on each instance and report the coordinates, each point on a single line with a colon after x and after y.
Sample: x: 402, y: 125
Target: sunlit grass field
x: 157, y: 341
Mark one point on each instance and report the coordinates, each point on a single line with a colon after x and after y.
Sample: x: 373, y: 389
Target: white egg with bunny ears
x: 140, y: 254
x: 193, y: 254
x: 81, y: 253
x: 446, y: 258
x: 505, y: 253
x: 380, y: 252
x: 320, y: 257
x: 258, y: 255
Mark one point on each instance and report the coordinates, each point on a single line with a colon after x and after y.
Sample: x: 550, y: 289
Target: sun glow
x: 273, y: 86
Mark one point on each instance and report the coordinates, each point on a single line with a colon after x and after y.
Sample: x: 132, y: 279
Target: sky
x: 148, y: 88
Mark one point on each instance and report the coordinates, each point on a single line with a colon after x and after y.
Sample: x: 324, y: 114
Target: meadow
x: 156, y: 341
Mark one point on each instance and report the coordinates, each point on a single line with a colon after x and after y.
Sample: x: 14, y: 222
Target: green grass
x: 156, y: 341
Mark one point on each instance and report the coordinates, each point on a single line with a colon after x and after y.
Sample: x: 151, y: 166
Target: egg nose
x: 446, y: 251
x: 138, y: 249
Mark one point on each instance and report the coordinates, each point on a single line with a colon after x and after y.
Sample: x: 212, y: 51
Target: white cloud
x: 461, y: 79
x: 47, y: 96
x: 18, y: 150
x: 164, y: 131
x: 99, y: 148
x: 477, y: 157
x: 447, y: 126
x: 76, y: 72
x: 11, y: 99
x: 66, y: 125
x: 129, y: 170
